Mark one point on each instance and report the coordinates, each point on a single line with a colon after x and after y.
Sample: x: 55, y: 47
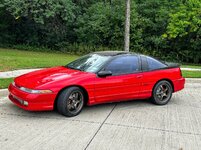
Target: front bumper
x: 31, y: 102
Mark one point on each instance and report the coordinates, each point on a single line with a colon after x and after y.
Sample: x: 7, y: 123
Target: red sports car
x: 96, y: 78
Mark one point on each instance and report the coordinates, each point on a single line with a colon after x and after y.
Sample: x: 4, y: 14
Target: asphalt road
x: 136, y: 125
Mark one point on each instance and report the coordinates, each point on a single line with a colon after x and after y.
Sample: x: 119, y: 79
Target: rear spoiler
x: 172, y: 65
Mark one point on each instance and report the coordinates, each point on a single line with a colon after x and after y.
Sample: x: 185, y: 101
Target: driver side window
x: 123, y: 65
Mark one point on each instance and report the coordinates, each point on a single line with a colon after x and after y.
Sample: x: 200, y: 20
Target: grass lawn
x: 4, y: 83
x: 191, y: 74
x: 16, y: 59
x: 191, y: 66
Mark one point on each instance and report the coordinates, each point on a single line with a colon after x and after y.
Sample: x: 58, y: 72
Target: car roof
x: 112, y: 53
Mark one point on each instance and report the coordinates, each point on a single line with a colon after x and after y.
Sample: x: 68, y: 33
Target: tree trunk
x: 127, y: 27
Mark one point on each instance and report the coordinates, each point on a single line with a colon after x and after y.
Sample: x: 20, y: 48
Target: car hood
x: 36, y: 79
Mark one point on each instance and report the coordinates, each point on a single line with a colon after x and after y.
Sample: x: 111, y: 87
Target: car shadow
x: 87, y: 112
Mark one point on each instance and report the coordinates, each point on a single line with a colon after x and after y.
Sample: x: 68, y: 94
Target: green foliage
x: 167, y: 29
x: 103, y: 24
x: 186, y: 19
x: 40, y: 11
x: 6, y: 26
x: 153, y: 16
x: 184, y: 30
x: 4, y: 83
x: 41, y: 22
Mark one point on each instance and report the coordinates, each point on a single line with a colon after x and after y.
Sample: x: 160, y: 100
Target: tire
x: 70, y: 101
x: 162, y: 93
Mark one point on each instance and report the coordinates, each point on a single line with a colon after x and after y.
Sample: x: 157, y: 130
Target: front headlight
x: 33, y: 91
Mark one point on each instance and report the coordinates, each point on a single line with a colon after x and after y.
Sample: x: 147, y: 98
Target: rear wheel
x: 162, y: 93
x: 70, y: 101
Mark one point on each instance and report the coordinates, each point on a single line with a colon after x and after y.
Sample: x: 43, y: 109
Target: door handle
x: 139, y: 76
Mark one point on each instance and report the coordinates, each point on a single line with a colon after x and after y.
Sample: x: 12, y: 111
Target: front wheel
x: 162, y: 93
x: 70, y: 101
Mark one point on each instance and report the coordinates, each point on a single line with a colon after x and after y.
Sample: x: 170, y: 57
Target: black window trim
x: 144, y: 63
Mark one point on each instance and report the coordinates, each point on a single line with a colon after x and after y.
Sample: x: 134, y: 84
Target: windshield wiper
x: 74, y: 68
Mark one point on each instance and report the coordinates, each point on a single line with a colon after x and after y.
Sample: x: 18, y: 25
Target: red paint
x: 100, y: 90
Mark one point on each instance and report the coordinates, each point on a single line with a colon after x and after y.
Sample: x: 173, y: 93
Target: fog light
x: 25, y: 103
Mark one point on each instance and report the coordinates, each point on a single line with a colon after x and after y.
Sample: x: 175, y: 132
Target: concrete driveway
x: 132, y: 125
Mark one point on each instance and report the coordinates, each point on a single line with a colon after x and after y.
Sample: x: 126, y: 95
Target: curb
x: 198, y: 79
x: 194, y: 80
x: 3, y: 93
x: 191, y: 69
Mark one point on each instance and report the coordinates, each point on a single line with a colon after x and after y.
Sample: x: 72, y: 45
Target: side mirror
x: 104, y: 73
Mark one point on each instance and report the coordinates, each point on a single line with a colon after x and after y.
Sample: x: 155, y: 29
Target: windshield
x: 89, y: 63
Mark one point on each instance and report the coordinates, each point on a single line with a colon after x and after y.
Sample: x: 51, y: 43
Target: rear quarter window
x: 154, y: 64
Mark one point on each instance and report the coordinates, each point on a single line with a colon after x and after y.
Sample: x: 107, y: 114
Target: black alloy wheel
x: 162, y: 93
x: 70, y: 101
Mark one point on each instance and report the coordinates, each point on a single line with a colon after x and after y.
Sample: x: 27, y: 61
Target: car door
x: 123, y: 84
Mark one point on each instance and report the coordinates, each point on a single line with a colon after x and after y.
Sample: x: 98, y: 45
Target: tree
x: 42, y: 23
x: 167, y: 29
x: 127, y: 27
x: 103, y: 25
x: 184, y: 30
